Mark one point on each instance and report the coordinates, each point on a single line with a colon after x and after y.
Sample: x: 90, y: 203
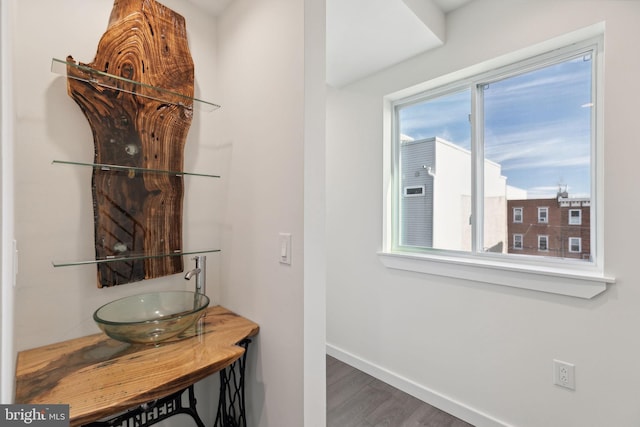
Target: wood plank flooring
x: 356, y: 399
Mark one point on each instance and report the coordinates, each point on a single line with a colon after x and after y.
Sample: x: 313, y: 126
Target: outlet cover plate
x: 564, y: 374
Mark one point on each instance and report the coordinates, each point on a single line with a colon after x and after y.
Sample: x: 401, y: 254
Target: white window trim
x: 417, y: 187
x: 563, y: 281
x: 578, y: 280
x: 579, y: 222
x: 521, y: 242
x: 546, y: 239
x: 579, y: 245
x: 521, y: 215
x: 544, y: 209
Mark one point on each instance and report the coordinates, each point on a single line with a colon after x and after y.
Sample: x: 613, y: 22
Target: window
x: 575, y: 244
x: 517, y: 241
x: 476, y: 145
x: 543, y: 243
x: 414, y: 191
x: 517, y: 215
x: 543, y: 215
x: 575, y: 217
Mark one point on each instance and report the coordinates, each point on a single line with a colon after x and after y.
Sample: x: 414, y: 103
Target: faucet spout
x: 200, y: 273
x: 192, y: 273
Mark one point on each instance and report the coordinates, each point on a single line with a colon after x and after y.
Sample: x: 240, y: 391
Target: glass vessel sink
x: 150, y: 318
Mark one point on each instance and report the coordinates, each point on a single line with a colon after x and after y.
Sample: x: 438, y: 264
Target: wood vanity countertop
x: 99, y: 377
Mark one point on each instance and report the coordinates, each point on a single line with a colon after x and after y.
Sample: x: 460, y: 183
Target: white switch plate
x: 285, y: 248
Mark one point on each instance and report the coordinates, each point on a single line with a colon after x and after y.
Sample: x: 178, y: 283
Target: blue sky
x: 537, y: 126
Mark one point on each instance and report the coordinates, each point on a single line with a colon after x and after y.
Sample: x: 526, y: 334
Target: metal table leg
x: 231, y: 404
x: 155, y: 411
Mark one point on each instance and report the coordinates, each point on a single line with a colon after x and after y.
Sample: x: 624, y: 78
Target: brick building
x: 558, y: 227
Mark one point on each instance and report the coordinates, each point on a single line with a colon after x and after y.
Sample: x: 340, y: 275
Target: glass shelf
x: 132, y: 257
x: 107, y: 167
x: 100, y: 78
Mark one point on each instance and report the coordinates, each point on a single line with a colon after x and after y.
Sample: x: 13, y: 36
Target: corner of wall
x: 7, y: 346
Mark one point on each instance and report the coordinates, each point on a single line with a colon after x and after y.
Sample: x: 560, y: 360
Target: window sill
x: 576, y: 283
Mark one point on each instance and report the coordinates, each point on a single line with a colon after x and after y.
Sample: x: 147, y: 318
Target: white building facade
x: 435, y: 197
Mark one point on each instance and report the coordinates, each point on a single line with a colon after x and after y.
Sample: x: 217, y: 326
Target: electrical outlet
x: 564, y: 374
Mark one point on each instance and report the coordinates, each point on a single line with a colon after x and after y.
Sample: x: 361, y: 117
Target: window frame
x: 521, y: 239
x: 543, y: 219
x: 515, y: 220
x: 579, y: 239
x: 545, y: 238
x: 407, y: 193
x: 579, y: 222
x: 567, y: 276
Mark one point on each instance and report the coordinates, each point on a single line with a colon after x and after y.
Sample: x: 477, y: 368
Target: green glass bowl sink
x: 150, y: 318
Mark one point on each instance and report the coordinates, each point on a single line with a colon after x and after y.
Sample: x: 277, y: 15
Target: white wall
x: 251, y: 60
x: 54, y: 218
x: 315, y: 249
x: 480, y: 351
x: 6, y: 207
x: 261, y: 70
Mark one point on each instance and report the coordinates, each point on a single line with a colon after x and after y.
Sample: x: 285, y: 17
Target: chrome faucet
x: 200, y: 272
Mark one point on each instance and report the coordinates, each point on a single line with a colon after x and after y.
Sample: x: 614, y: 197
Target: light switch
x: 285, y: 248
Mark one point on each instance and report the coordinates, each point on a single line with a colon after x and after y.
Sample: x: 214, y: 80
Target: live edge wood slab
x: 98, y: 376
x: 136, y: 211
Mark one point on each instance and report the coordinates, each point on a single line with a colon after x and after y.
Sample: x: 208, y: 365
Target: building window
x: 517, y: 215
x: 543, y: 215
x: 517, y: 241
x: 476, y: 144
x: 575, y: 217
x: 543, y: 243
x: 443, y: 148
x: 575, y: 244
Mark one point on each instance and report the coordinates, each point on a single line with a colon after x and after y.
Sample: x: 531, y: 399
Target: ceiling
x: 366, y: 36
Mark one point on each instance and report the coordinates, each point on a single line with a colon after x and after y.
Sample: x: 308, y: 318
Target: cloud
x: 562, y: 82
x: 535, y: 125
x: 446, y: 115
x: 543, y: 148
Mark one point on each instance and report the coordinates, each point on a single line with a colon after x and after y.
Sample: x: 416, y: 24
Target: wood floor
x: 355, y: 399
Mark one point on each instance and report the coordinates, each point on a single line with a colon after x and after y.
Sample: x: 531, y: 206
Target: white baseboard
x: 433, y: 398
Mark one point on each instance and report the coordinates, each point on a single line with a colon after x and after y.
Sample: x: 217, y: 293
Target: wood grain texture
x: 138, y: 212
x: 98, y: 376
